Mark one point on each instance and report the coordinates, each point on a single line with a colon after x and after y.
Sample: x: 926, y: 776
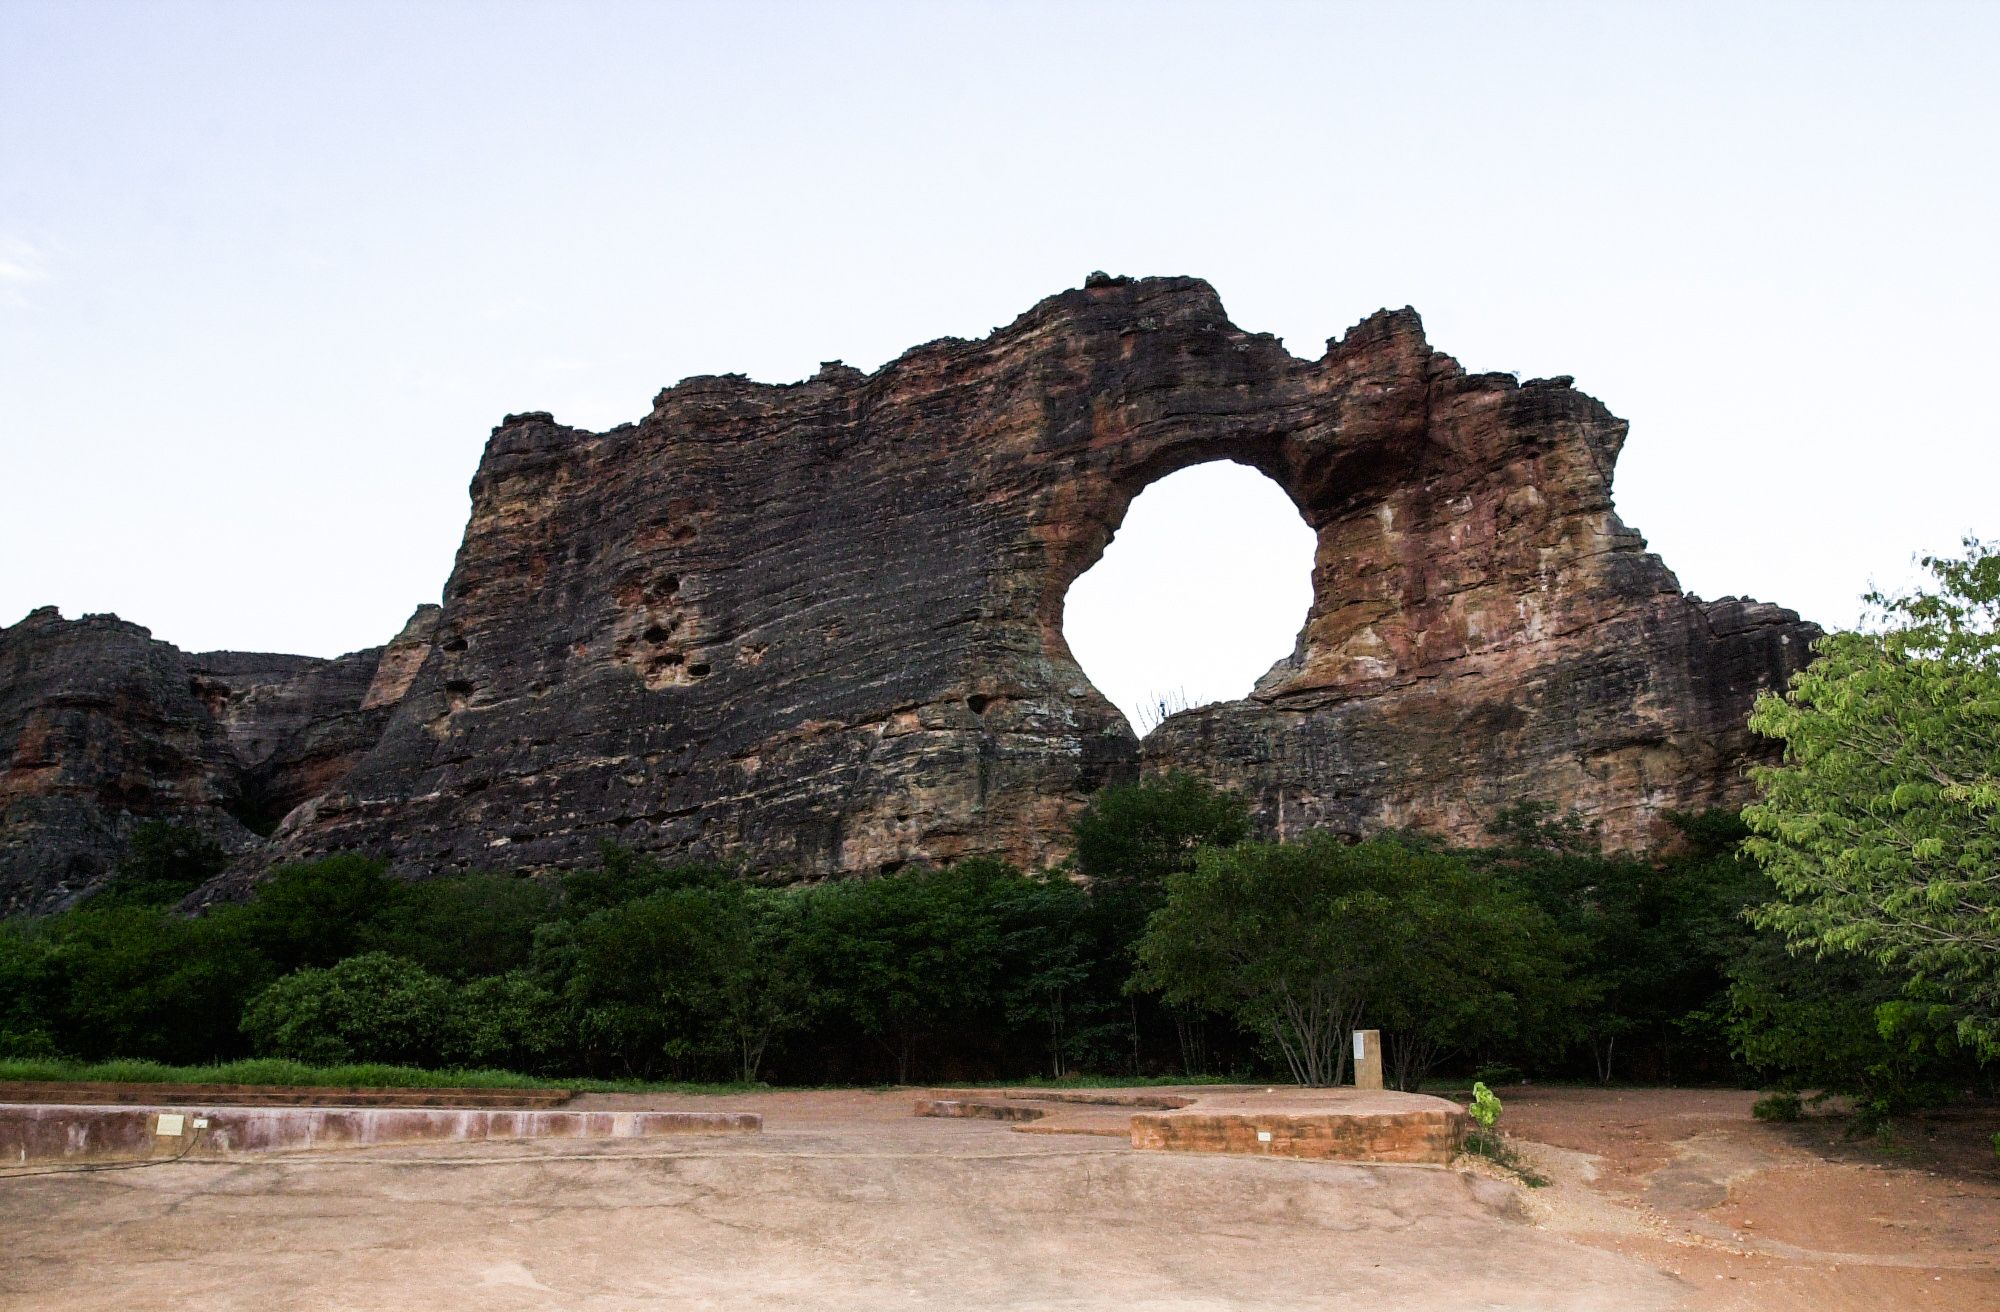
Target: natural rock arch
x: 818, y: 625
x: 1205, y: 586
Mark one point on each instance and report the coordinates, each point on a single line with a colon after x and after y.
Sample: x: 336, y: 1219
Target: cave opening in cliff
x: 1204, y: 586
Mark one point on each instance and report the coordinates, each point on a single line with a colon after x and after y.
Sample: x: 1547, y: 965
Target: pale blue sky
x: 269, y: 272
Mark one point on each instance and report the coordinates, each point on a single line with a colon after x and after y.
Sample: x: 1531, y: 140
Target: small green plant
x: 1485, y: 1112
x: 1778, y: 1107
x: 1485, y: 1139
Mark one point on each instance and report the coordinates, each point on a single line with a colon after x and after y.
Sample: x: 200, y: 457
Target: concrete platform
x: 1348, y: 1125
x: 54, y: 1132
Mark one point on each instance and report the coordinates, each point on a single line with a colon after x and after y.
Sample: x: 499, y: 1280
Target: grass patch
x: 276, y: 1071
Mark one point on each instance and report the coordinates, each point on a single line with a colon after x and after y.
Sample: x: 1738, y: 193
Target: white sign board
x: 1360, y: 1046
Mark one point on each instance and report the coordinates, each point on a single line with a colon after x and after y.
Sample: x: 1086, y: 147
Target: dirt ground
x: 1660, y: 1199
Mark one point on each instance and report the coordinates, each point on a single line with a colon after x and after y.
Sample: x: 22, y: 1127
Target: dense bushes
x: 1185, y: 949
x: 1299, y: 942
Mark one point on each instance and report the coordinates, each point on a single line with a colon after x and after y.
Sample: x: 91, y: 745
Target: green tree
x: 622, y: 875
x: 1475, y: 964
x: 903, y: 956
x: 162, y: 864
x: 141, y: 981
x: 1045, y: 960
x: 463, y: 926
x: 1653, y: 935
x: 1128, y: 842
x: 1840, y: 1026
x: 699, y: 974
x: 1138, y: 834
x: 510, y: 1022
x: 316, y: 913
x: 372, y: 1007
x: 1881, y: 827
x: 31, y: 991
x: 1294, y: 939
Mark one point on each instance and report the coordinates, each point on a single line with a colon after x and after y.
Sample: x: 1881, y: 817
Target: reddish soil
x: 1661, y: 1199
x: 1761, y: 1216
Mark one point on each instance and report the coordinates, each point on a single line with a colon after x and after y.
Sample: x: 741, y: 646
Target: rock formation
x: 818, y: 626
x: 102, y: 726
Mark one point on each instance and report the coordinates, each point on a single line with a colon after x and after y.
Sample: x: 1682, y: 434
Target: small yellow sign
x: 170, y: 1124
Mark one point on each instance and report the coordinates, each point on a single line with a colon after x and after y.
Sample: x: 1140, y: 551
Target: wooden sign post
x: 1368, y: 1059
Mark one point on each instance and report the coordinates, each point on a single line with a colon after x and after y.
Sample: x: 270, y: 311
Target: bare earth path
x: 1664, y: 1199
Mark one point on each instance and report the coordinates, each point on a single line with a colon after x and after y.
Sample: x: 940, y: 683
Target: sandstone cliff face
x: 297, y: 724
x: 818, y: 626
x: 102, y: 726
x: 98, y: 724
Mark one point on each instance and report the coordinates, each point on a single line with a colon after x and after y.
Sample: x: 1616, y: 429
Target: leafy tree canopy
x: 1881, y: 828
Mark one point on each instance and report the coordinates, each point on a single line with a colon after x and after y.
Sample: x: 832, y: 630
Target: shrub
x: 162, y: 864
x: 372, y: 1007
x: 318, y: 912
x: 1778, y: 1107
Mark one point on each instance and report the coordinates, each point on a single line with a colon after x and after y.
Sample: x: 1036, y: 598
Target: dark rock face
x: 297, y: 724
x: 102, y: 726
x: 819, y: 626
x: 98, y: 725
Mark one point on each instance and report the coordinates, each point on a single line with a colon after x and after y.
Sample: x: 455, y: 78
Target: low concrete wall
x: 51, y: 1132
x: 90, y: 1093
x: 1375, y: 1136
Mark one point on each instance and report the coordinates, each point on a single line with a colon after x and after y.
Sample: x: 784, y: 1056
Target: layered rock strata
x: 818, y: 626
x: 103, y: 726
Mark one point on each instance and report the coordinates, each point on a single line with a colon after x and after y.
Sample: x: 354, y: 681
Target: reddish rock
x: 818, y: 626
x: 103, y: 726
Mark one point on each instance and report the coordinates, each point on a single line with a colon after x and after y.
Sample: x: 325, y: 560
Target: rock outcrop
x: 818, y: 626
x: 103, y: 726
x: 297, y: 724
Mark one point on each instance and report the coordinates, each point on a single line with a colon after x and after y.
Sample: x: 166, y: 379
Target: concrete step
x: 97, y: 1093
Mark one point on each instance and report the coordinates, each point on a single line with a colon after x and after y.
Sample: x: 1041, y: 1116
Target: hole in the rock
x: 1204, y: 587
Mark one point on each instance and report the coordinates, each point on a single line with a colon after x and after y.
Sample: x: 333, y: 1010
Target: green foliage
x: 30, y: 991
x: 140, y: 981
x: 622, y: 875
x: 318, y: 912
x: 902, y: 957
x: 1484, y: 1137
x: 1779, y: 1107
x: 511, y: 1021
x: 1649, y: 939
x: 1840, y: 1026
x: 465, y: 927
x: 1486, y: 1106
x: 1295, y: 940
x: 1142, y: 833
x: 162, y: 864
x: 274, y: 1070
x: 372, y: 1007
x: 1881, y: 828
x: 1539, y: 953
x: 694, y: 972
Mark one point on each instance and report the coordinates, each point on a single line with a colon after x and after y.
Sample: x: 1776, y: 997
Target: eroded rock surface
x: 818, y: 626
x: 103, y: 726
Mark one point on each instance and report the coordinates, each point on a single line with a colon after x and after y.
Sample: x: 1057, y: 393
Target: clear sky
x: 270, y: 272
